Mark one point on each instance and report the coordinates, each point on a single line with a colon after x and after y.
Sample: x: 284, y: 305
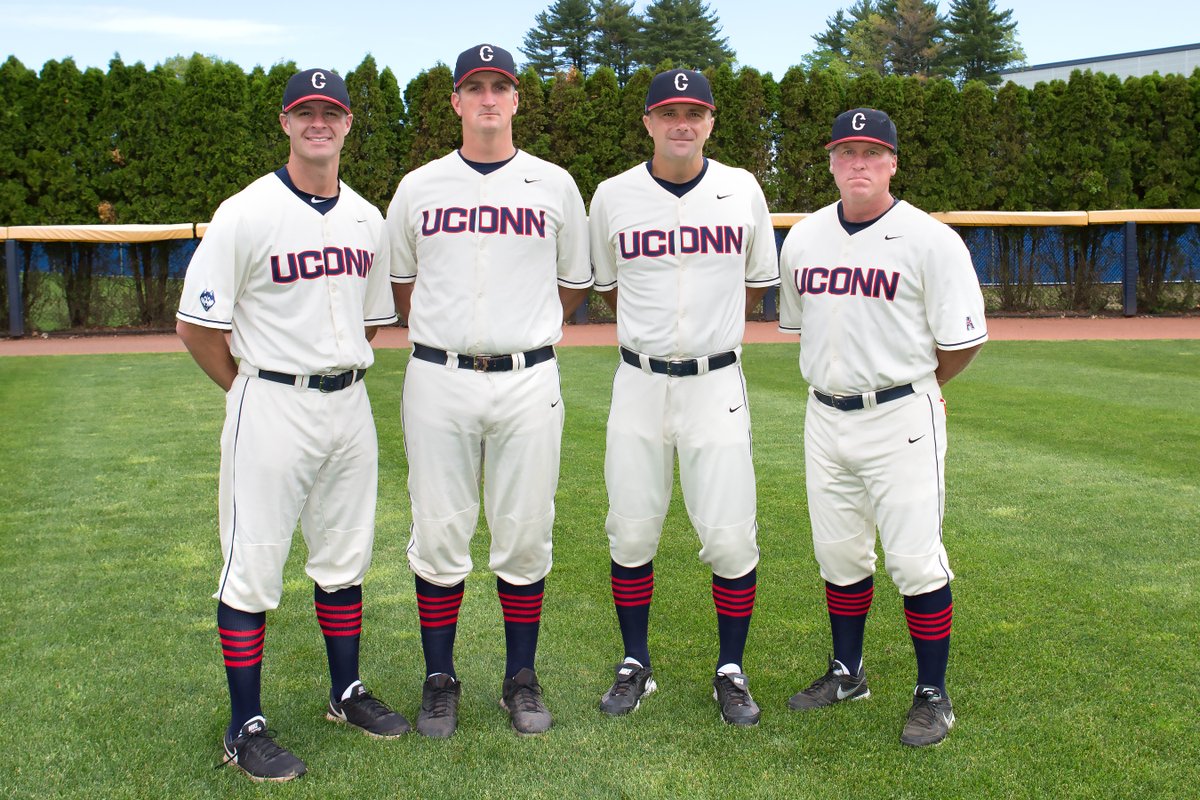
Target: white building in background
x: 1180, y: 60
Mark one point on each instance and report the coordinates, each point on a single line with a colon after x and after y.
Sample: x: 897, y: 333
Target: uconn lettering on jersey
x: 721, y: 240
x: 847, y: 280
x: 312, y: 264
x: 484, y: 219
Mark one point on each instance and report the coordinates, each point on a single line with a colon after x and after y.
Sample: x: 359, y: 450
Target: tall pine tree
x: 685, y: 31
x: 981, y: 41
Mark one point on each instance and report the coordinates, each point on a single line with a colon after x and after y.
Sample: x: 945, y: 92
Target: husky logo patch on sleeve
x: 208, y: 299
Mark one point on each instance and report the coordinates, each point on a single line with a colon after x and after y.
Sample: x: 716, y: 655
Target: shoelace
x: 261, y: 741
x: 368, y: 704
x: 624, y: 683
x: 440, y: 701
x: 819, y: 685
x: 734, y: 693
x: 924, y: 712
x: 525, y: 698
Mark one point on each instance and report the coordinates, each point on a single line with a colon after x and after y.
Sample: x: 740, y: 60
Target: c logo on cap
x: 681, y: 82
x: 485, y: 53
x: 318, y: 80
x: 858, y: 121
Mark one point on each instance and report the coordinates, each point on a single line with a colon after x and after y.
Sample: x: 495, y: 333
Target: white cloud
x: 131, y: 21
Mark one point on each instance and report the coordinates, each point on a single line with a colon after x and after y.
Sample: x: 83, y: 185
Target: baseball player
x: 295, y: 266
x: 687, y: 243
x: 889, y: 309
x: 489, y: 254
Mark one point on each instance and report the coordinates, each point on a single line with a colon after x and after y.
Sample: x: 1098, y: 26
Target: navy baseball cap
x: 679, y: 86
x: 484, y: 58
x: 864, y: 125
x: 316, y: 84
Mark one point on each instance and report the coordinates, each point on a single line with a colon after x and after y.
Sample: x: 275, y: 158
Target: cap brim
x: 503, y: 72
x: 691, y: 100
x: 324, y: 97
x: 834, y: 144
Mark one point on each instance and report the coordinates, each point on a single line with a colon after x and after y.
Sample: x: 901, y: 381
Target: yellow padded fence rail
x: 101, y: 234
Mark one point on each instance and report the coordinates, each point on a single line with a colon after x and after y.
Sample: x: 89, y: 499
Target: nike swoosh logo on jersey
x: 887, y: 238
x: 555, y: 403
x: 919, y: 438
x: 532, y: 180
x: 723, y: 196
x: 735, y: 408
x: 316, y: 201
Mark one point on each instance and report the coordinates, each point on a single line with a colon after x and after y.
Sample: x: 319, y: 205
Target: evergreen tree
x: 976, y: 188
x: 606, y: 132
x: 743, y: 135
x: 685, y: 31
x: 268, y: 150
x: 635, y: 142
x: 1013, y: 174
x: 531, y: 125
x: 540, y: 48
x: 372, y: 157
x: 436, y: 129
x: 833, y: 45
x: 18, y: 86
x: 939, y: 188
x: 914, y: 35
x: 618, y: 32
x: 808, y: 104
x: 867, y: 49
x: 205, y: 168
x: 561, y: 39
x: 981, y: 41
x: 570, y: 118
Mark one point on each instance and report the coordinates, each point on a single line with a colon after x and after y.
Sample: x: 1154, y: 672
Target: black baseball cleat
x: 368, y: 714
x: 834, y: 686
x: 632, y: 684
x: 732, y: 693
x: 255, y: 753
x: 930, y: 718
x: 438, y: 717
x: 521, y: 697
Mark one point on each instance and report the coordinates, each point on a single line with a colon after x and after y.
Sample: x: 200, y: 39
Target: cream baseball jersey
x: 693, y: 255
x: 489, y: 251
x: 873, y: 308
x: 304, y: 284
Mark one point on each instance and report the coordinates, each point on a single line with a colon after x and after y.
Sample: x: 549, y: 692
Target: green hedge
x: 139, y: 145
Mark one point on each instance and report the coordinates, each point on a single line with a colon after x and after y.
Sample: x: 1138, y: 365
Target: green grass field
x: 1073, y: 511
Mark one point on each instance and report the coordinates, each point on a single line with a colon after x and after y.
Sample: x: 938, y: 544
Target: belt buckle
x: 677, y: 369
x: 480, y: 363
x: 329, y: 383
x: 839, y: 401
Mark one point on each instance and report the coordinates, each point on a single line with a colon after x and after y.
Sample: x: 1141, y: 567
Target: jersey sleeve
x: 401, y: 236
x: 789, y: 296
x: 378, y: 306
x: 210, y: 284
x: 604, y: 262
x: 762, y: 262
x: 574, y: 268
x: 953, y: 301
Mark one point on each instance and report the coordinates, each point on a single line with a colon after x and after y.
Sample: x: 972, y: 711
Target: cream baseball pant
x: 291, y: 454
x: 706, y: 420
x: 882, y: 468
x: 503, y: 429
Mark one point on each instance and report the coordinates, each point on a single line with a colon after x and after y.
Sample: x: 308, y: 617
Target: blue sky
x: 769, y: 35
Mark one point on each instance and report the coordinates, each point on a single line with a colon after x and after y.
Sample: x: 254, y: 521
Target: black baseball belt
x: 480, y: 363
x: 325, y: 383
x: 857, y: 402
x: 678, y: 369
